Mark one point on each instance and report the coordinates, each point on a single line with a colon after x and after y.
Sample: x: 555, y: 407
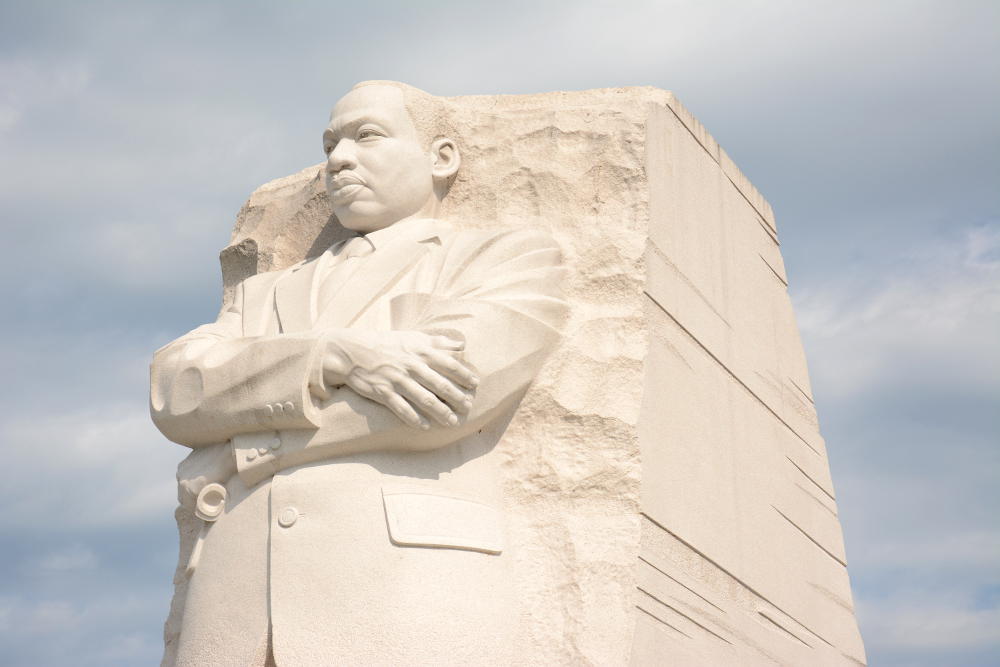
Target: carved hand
x: 203, y: 466
x: 416, y: 375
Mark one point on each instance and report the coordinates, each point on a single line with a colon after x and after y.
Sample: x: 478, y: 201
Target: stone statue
x: 506, y: 380
x: 341, y: 412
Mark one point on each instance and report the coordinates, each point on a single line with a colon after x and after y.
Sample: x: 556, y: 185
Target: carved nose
x: 341, y: 157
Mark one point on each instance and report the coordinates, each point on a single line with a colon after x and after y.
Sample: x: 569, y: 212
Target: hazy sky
x: 132, y: 132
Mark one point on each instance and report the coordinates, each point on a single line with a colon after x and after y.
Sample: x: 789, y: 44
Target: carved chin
x: 360, y: 215
x: 355, y: 208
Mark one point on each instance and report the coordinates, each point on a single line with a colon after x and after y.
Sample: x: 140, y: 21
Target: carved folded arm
x: 501, y: 296
x: 213, y: 384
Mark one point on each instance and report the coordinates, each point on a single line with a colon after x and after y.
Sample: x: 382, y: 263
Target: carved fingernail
x: 452, y: 420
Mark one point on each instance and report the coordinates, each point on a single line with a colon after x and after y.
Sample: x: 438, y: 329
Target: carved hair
x: 431, y: 115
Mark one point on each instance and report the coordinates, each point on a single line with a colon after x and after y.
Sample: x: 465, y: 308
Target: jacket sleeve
x: 501, y: 294
x: 213, y: 384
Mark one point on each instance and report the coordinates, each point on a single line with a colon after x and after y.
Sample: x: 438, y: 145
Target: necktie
x: 341, y: 267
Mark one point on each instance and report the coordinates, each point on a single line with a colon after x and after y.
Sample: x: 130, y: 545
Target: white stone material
x: 659, y: 494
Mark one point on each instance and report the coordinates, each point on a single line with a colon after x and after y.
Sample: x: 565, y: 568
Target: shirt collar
x: 417, y: 229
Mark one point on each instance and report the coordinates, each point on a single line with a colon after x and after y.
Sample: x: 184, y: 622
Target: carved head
x: 386, y: 157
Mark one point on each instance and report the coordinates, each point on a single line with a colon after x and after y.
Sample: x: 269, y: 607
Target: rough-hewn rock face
x: 667, y: 493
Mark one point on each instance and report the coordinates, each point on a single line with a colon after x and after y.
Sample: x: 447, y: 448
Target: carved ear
x: 446, y: 159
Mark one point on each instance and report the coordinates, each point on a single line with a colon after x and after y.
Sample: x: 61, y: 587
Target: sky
x: 132, y: 132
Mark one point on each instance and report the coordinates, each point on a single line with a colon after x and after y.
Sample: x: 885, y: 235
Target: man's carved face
x: 377, y: 170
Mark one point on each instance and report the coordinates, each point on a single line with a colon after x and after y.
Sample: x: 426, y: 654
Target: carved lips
x: 343, y: 187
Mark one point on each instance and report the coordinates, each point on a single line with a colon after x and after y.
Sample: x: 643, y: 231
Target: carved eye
x: 367, y: 133
x: 327, y: 148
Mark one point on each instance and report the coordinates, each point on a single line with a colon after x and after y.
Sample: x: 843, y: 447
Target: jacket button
x: 251, y: 454
x: 276, y: 443
x: 287, y: 517
x: 289, y: 407
x: 262, y: 450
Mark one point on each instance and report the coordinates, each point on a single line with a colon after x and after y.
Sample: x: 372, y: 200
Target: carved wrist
x: 334, y: 363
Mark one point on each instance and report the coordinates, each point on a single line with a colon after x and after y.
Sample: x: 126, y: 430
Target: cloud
x: 906, y: 371
x: 106, y: 469
x: 9, y: 116
x: 131, y: 133
x: 38, y: 618
x: 27, y: 85
x: 925, y: 553
x: 931, y: 311
x: 925, y: 626
x: 62, y: 631
x: 70, y: 559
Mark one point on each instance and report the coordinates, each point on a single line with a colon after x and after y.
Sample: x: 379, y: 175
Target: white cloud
x: 935, y: 306
x: 9, y: 117
x: 63, y: 631
x: 28, y: 84
x: 139, y: 255
x: 70, y: 559
x: 968, y: 549
x: 913, y: 621
x: 21, y: 617
x: 903, y: 357
x: 26, y: 88
x: 133, y: 647
x: 102, y: 465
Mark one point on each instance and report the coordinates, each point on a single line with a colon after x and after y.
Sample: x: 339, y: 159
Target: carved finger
x: 444, y: 388
x: 446, y: 343
x: 362, y: 387
x: 405, y: 411
x: 385, y: 395
x: 378, y: 392
x: 452, y: 368
x: 426, y: 402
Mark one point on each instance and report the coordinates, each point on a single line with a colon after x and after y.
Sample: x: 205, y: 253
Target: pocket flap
x: 423, y: 519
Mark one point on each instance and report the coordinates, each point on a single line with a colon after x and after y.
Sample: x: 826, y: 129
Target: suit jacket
x: 360, y: 539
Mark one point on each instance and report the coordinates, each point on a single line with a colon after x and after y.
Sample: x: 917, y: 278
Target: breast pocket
x: 417, y: 518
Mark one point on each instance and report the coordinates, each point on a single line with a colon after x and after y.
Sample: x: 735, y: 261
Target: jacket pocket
x: 417, y: 518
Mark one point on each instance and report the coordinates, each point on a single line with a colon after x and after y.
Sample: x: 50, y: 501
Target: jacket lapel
x: 258, y: 306
x: 380, y: 271
x: 294, y: 297
x: 375, y: 277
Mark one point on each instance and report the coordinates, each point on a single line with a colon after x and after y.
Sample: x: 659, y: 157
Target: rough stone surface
x: 666, y: 489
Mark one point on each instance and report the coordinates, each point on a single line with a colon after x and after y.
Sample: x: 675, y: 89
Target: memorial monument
x: 505, y: 380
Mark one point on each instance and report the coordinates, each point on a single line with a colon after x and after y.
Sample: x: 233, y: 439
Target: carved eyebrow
x: 352, y: 122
